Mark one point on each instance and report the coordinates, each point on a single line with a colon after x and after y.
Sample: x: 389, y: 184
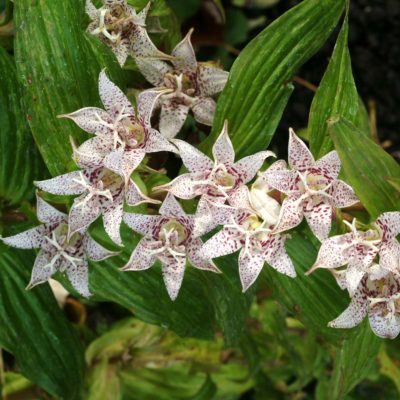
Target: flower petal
x: 171, y: 208
x: 95, y: 251
x: 122, y: 162
x: 342, y: 194
x: 250, y: 266
x: 30, y: 239
x: 354, y: 313
x: 141, y: 46
x: 384, y: 326
x: 330, y: 164
x: 121, y: 50
x: 196, y: 258
x: 173, y: 271
x: 204, y: 110
x: 113, y: 97
x: 390, y: 224
x: 134, y: 196
x: 248, y: 167
x: 41, y: 271
x: 63, y: 185
x: 173, y: 115
x: 223, y: 150
x: 141, y: 258
x: 354, y: 275
x: 112, y: 219
x: 79, y: 277
x: 319, y: 217
x: 300, y: 158
x: 146, y: 102
x: 279, y: 177
x: 183, y: 187
x: 153, y: 70
x: 143, y: 224
x: 46, y: 213
x: 82, y: 214
x: 193, y: 159
x: 157, y: 142
x: 277, y: 257
x: 91, y: 10
x: 226, y: 241
x: 91, y: 153
x: 185, y: 57
x: 211, y: 80
x: 291, y: 213
x: 239, y: 198
x: 389, y: 255
x: 90, y: 119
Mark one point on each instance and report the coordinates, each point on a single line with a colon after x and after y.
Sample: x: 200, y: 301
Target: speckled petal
x: 354, y: 313
x: 226, y: 241
x: 185, y: 57
x: 291, y: 214
x: 193, y: 159
x: 47, y: 213
x: 277, y: 257
x: 183, y: 187
x: 384, y: 326
x: 122, y: 162
x: 141, y: 258
x: 112, y: 219
x: 82, y: 215
x: 171, y: 208
x: 390, y: 224
x: 248, y: 167
x: 250, y: 266
x: 121, y: 51
x: 211, y: 80
x: 30, y: 239
x: 91, y: 153
x: 279, y: 177
x: 223, y: 150
x: 146, y: 102
x: 141, y: 45
x: 173, y: 272
x: 79, y: 278
x: 354, y: 275
x: 196, y: 258
x: 91, y: 10
x: 157, y: 142
x: 300, y: 158
x: 389, y: 255
x: 143, y: 224
x: 204, y: 110
x: 62, y: 185
x: 113, y: 97
x: 95, y: 251
x: 342, y: 194
x: 239, y: 198
x: 319, y: 219
x: 153, y: 70
x: 90, y: 119
x: 172, y: 118
x: 41, y: 272
x: 134, y: 196
x: 330, y: 164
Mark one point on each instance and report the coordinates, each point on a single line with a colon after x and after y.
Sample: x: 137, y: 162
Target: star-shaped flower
x: 191, y: 86
x: 102, y: 192
x: 358, y: 249
x: 122, y: 137
x: 57, y: 251
x: 215, y: 181
x: 119, y: 27
x: 312, y: 188
x: 378, y: 295
x: 258, y: 244
x: 169, y: 238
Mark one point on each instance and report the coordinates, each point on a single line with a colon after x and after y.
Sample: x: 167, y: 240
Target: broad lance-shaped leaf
x: 58, y: 65
x: 366, y: 166
x: 33, y: 328
x: 20, y: 162
x: 259, y: 78
x: 336, y: 95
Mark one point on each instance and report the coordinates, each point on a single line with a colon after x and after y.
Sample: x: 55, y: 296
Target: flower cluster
x: 254, y: 208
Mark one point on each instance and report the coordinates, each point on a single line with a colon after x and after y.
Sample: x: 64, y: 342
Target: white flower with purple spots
x: 191, y: 86
x: 378, y: 296
x: 358, y: 249
x: 311, y: 187
x: 169, y: 238
x: 216, y: 181
x: 118, y: 26
x: 58, y: 251
x: 122, y: 137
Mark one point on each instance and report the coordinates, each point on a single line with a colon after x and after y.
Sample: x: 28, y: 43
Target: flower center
x: 132, y: 134
x: 173, y: 233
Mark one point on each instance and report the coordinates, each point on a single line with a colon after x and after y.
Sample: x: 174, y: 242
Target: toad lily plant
x: 169, y: 238
x: 123, y: 30
x: 191, y: 86
x: 311, y: 187
x: 58, y: 250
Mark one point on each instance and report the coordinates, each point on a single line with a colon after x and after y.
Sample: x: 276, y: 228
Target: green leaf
x: 354, y: 360
x: 315, y: 299
x: 389, y: 368
x: 366, y: 166
x: 336, y: 96
x: 20, y: 161
x: 58, y: 65
x: 35, y: 331
x: 395, y: 182
x: 258, y: 90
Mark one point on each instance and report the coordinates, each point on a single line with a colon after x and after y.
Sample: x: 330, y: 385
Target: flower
x: 122, y: 138
x: 102, y: 192
x: 378, y: 295
x: 215, y: 181
x: 312, y: 188
x: 169, y: 238
x: 58, y: 251
x: 191, y: 86
x: 119, y: 27
x: 358, y: 249
x: 258, y: 244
